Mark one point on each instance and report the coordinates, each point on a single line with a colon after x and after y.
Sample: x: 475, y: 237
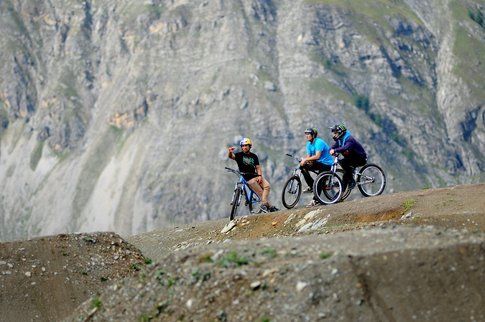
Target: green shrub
x: 233, y: 259
x: 96, y: 302
x: 408, y: 204
x: 477, y: 16
x: 269, y: 252
x: 362, y: 102
x: 325, y: 255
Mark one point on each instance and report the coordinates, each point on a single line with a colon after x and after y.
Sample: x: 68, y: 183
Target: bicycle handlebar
x: 239, y: 173
x: 292, y: 156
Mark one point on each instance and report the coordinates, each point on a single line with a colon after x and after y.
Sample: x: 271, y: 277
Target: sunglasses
x: 245, y: 145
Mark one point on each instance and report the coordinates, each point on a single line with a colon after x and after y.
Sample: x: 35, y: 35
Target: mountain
x: 116, y: 115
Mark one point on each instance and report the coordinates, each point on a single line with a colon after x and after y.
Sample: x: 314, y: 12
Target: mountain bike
x: 241, y: 189
x: 293, y: 187
x: 327, y: 187
x: 370, y: 180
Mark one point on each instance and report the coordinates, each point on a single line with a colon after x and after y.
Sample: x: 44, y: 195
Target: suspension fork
x: 237, y: 186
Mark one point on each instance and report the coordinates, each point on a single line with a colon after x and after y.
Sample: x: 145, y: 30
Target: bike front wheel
x: 327, y: 188
x: 371, y: 181
x: 235, y: 203
x: 291, y: 192
x: 347, y: 191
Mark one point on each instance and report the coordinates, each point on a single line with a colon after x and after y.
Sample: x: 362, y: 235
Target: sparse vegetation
x: 374, y: 10
x: 468, y: 48
x: 135, y: 267
x: 145, y: 318
x: 89, y: 239
x: 36, y: 155
x: 205, y: 258
x: 322, y: 85
x: 96, y: 302
x: 362, y: 102
x: 164, y: 278
x: 325, y: 255
x: 408, y: 204
x: 477, y: 16
x: 198, y: 275
x: 269, y: 252
x: 148, y: 261
x: 233, y: 259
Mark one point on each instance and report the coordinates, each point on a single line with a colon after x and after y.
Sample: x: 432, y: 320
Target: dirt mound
x: 373, y: 274
x: 460, y: 207
x: 408, y: 256
x: 45, y: 279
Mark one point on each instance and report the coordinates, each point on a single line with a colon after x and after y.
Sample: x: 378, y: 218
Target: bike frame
x: 297, y: 170
x: 249, y: 195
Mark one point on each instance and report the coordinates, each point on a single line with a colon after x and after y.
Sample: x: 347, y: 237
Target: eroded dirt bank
x: 378, y: 274
x: 45, y: 279
x: 409, y: 256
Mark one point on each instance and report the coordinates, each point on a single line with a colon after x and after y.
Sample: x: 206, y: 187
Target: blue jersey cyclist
x: 318, y: 158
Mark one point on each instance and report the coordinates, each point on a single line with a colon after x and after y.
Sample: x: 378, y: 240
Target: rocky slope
x: 115, y: 115
x: 371, y: 275
x: 45, y: 279
x: 414, y: 255
x: 391, y: 260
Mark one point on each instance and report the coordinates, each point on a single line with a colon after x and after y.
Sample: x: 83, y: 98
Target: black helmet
x: 311, y: 130
x: 338, y: 130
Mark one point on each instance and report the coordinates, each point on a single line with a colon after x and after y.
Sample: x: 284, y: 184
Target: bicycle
x: 241, y: 188
x: 370, y: 180
x: 293, y: 187
x: 327, y: 187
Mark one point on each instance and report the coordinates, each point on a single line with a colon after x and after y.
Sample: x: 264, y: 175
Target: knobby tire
x: 381, y: 177
x: 235, y: 203
x: 293, y: 180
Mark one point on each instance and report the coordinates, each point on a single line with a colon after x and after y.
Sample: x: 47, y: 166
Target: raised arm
x: 230, y: 152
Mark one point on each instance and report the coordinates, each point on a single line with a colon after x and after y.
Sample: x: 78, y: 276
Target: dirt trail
x: 461, y: 207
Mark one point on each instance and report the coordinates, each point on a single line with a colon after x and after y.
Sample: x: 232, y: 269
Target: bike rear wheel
x: 291, y: 192
x: 235, y: 203
x: 327, y: 188
x: 371, y: 181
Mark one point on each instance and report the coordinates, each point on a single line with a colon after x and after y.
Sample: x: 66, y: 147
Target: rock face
x: 116, y: 114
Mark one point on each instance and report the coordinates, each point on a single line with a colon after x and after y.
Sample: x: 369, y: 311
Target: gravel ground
x: 409, y: 256
x: 389, y: 273
x: 45, y: 279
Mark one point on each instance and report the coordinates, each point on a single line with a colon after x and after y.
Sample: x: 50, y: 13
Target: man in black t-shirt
x: 248, y: 164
